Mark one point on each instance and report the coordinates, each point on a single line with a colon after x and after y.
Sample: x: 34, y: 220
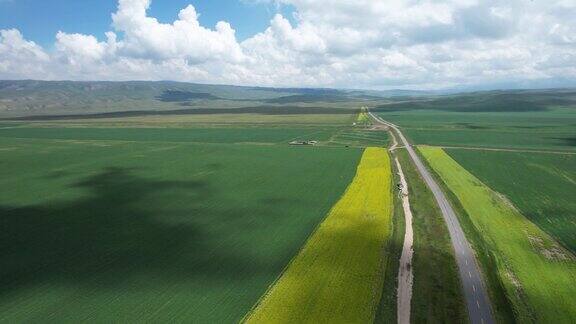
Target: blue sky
x: 370, y: 44
x: 40, y: 20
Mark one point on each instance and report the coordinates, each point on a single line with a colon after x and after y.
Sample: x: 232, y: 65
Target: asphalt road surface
x: 477, y: 301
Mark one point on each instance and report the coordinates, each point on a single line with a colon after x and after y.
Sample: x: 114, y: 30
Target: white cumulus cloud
x: 329, y: 43
x: 185, y: 38
x: 20, y: 58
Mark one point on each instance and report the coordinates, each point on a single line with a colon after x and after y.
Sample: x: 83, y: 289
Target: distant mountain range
x: 32, y: 98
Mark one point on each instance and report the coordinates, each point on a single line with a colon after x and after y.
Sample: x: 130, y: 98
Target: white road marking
x: 474, y: 288
x: 469, y: 274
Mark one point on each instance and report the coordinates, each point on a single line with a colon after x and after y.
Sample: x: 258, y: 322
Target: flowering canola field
x: 339, y: 273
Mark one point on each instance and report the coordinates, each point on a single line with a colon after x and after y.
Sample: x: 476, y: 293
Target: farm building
x: 308, y: 142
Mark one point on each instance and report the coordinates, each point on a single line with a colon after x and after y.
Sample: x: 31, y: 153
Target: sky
x: 369, y: 44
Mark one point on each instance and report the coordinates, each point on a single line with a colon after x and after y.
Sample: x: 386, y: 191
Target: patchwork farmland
x: 100, y: 230
x: 196, y: 209
x: 338, y: 275
x: 145, y: 220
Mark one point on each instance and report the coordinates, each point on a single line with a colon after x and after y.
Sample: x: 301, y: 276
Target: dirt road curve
x: 405, y: 276
x: 477, y: 301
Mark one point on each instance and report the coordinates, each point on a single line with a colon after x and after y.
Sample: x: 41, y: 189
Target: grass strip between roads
x: 437, y: 293
x: 536, y: 272
x: 338, y: 275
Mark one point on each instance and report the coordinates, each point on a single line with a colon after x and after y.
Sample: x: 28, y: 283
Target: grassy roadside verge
x: 501, y: 306
x: 437, y: 294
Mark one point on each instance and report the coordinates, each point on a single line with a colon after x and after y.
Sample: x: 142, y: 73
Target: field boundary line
x: 115, y: 141
x: 496, y: 149
x: 273, y: 283
x: 298, y: 137
x: 331, y: 288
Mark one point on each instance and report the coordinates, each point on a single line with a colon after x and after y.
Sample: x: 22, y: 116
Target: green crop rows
x: 202, y: 135
x: 146, y: 231
x: 536, y: 130
x: 541, y: 185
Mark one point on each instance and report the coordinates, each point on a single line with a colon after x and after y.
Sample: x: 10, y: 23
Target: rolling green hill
x: 29, y: 98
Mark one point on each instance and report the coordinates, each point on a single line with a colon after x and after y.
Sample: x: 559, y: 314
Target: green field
x: 275, y: 135
x: 541, y: 185
x: 229, y: 119
x: 174, y: 130
x: 112, y: 225
x: 497, y: 139
x: 536, y: 272
x: 551, y: 129
x: 357, y: 136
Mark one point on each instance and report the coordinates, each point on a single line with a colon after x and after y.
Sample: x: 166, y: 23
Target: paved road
x: 477, y: 300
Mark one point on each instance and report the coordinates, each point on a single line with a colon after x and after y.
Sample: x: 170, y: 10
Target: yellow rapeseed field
x: 338, y: 275
x: 363, y: 118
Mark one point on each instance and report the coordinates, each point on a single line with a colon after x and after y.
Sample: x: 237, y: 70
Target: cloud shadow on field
x: 184, y: 96
x: 567, y: 141
x: 259, y: 110
x: 112, y: 234
x: 472, y: 126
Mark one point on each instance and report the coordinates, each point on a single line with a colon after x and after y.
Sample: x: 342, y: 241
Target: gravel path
x: 405, y: 276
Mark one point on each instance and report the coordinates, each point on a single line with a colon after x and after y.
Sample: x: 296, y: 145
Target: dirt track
x: 405, y: 275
